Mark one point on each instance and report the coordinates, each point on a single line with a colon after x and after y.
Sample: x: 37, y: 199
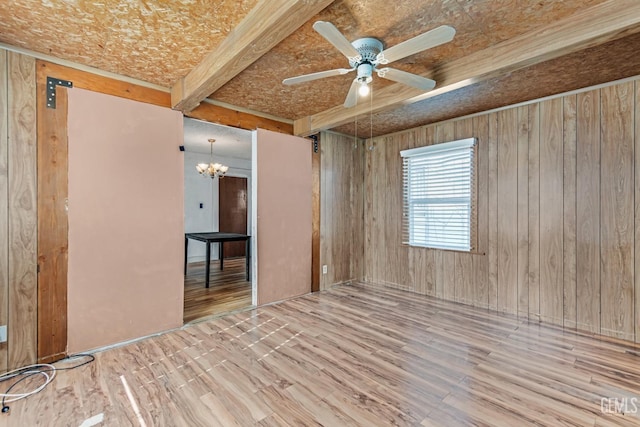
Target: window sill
x: 471, y: 252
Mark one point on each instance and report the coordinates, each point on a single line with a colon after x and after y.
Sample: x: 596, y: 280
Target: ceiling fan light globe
x: 363, y: 90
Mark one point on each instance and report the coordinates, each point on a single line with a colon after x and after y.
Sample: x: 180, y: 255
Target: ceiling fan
x: 366, y: 55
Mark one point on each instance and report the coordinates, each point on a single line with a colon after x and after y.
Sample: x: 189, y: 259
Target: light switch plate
x: 325, y: 269
x: 3, y: 333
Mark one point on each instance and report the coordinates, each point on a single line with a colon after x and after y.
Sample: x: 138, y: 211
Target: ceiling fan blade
x: 316, y: 76
x: 335, y: 37
x: 409, y: 79
x: 352, y: 96
x: 424, y: 41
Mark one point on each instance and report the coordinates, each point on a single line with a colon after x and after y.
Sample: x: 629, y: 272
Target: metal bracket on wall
x: 314, y: 138
x: 51, y: 90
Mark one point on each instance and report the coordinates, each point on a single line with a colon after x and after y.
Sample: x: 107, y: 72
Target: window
x: 438, y: 186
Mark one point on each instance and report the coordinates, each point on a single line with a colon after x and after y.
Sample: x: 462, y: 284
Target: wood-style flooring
x: 228, y: 289
x: 353, y: 356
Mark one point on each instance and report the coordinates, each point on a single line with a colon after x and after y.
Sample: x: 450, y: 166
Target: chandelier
x: 212, y: 169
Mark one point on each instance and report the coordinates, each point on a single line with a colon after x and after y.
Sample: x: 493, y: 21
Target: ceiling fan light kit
x: 365, y: 54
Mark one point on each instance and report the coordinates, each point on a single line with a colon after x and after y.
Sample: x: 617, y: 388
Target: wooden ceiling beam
x: 112, y: 86
x: 590, y: 27
x: 222, y: 115
x: 266, y: 25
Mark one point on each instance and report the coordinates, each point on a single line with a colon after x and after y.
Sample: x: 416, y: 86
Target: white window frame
x: 440, y: 179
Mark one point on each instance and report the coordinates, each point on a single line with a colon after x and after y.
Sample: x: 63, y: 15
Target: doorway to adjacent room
x: 216, y: 205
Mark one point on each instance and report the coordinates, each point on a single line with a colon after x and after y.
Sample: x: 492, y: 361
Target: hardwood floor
x: 228, y: 292
x: 353, y: 355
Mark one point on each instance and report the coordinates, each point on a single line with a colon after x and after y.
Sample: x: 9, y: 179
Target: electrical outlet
x: 325, y: 269
x: 3, y: 333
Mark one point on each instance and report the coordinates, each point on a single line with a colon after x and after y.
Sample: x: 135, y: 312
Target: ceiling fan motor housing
x: 368, y: 48
x: 365, y: 73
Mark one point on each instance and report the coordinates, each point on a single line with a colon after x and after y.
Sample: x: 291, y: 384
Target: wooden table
x: 216, y: 237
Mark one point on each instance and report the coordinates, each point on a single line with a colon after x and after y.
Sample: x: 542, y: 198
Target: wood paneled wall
x: 53, y: 194
x: 558, y: 213
x: 4, y: 203
x: 18, y: 220
x: 341, y: 208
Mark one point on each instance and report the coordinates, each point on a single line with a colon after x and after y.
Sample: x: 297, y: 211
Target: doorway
x: 216, y: 205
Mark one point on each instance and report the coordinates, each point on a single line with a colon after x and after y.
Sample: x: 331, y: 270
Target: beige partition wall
x: 282, y: 228
x: 18, y: 214
x: 126, y: 230
x: 558, y: 227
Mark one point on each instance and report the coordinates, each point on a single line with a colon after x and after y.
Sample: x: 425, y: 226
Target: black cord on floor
x: 90, y: 358
x: 38, y: 369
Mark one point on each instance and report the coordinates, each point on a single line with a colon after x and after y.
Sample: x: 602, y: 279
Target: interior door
x: 233, y: 212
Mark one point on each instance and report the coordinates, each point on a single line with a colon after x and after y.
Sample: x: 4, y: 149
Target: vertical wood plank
x: 464, y: 263
x: 481, y: 261
x: 551, y: 213
x: 508, y: 210
x: 22, y: 324
x: 616, y: 210
x: 429, y: 255
x: 377, y: 224
x: 369, y: 242
x: 569, y: 209
x: 340, y: 264
x: 417, y: 270
x: 588, y: 211
x: 4, y: 213
x: 356, y: 255
x: 523, y: 212
x: 315, y: 219
x: 380, y: 170
x: 636, y: 135
x: 534, y: 211
x: 406, y: 254
x: 492, y: 249
x: 52, y: 223
x: 326, y: 205
x: 397, y: 254
x: 445, y: 259
x: 421, y: 259
x: 326, y: 220
x: 415, y: 258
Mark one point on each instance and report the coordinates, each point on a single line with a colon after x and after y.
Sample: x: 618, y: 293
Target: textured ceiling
x: 154, y: 41
x: 478, y: 24
x: 161, y: 41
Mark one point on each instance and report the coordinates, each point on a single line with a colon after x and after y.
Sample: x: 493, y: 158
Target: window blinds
x: 438, y: 181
